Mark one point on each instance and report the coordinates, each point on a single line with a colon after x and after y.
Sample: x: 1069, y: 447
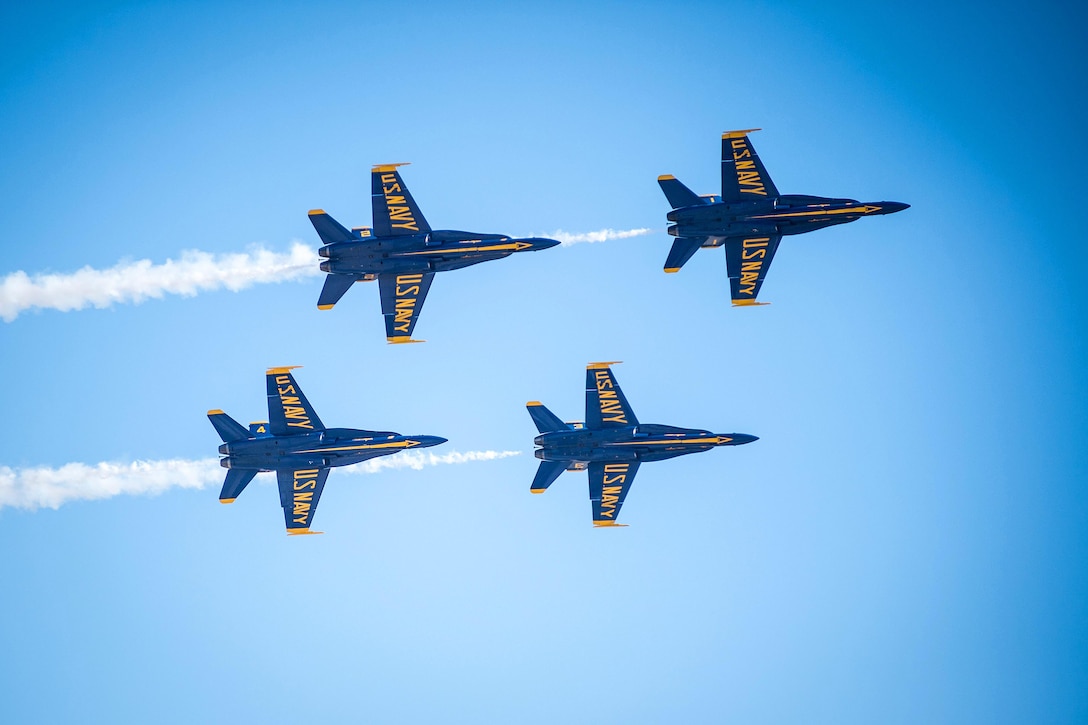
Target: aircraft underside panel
x: 402, y: 299
x: 300, y: 490
x: 747, y: 260
x: 608, y: 487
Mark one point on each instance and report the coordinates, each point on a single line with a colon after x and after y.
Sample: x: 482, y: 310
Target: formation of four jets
x: 403, y: 253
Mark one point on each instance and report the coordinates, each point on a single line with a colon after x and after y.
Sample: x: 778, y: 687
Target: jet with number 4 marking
x: 750, y: 217
x: 402, y: 252
x: 298, y: 447
x: 611, y: 443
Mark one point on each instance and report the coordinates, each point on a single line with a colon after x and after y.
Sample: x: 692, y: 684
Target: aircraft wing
x: 747, y: 260
x: 289, y: 413
x: 606, y: 405
x: 744, y: 177
x: 608, y: 487
x: 395, y: 211
x: 299, y: 493
x: 402, y: 299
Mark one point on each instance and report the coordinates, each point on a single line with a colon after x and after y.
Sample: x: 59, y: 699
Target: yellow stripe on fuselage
x: 365, y: 446
x: 512, y: 247
x: 674, y: 441
x: 849, y: 210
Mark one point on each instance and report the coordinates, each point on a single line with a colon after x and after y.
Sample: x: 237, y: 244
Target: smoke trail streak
x: 134, y: 282
x: 43, y: 487
x: 603, y: 235
x: 192, y: 273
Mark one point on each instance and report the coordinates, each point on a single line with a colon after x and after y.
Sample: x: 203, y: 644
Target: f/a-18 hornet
x: 611, y: 443
x: 750, y: 217
x: 402, y: 252
x: 298, y: 447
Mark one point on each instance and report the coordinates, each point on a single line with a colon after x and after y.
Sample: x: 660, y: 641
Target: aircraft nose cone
x: 428, y: 441
x: 539, y: 243
x: 739, y: 439
x: 891, y: 207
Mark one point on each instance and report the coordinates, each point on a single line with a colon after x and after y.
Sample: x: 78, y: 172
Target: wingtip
x: 227, y: 500
x: 749, y: 303
x: 326, y: 307
x: 401, y: 340
x: 608, y: 525
x: 388, y: 167
x: 740, y: 133
x: 314, y: 212
x: 534, y: 404
x: 302, y: 532
x: 281, y: 370
x: 602, y: 365
x: 215, y: 411
x: 537, y: 490
x: 666, y: 177
x: 671, y: 270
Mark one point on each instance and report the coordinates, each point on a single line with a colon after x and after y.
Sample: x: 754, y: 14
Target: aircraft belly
x: 445, y: 265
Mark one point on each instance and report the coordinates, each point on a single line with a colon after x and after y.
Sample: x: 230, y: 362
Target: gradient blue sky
x: 908, y: 540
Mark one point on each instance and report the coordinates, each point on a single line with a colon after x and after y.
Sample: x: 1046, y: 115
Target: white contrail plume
x: 417, y: 460
x: 136, y: 281
x: 603, y: 235
x: 34, y: 488
x: 192, y: 273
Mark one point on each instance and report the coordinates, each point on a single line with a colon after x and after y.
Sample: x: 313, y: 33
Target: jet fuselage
x: 787, y: 214
x: 328, y: 448
x: 435, y: 251
x: 644, y: 442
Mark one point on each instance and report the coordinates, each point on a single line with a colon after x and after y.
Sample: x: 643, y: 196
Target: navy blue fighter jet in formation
x: 611, y: 443
x: 402, y: 252
x: 750, y: 217
x: 298, y: 447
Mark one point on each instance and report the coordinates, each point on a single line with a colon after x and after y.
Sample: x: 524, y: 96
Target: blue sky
x: 907, y: 541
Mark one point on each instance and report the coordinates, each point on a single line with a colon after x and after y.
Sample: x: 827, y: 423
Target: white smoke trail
x: 136, y: 281
x: 192, y: 273
x: 603, y: 235
x: 43, y: 487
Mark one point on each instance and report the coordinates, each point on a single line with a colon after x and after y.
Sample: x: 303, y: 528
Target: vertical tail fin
x: 228, y: 428
x: 678, y: 195
x: 546, y: 421
x: 546, y: 475
x: 336, y: 286
x: 236, y: 481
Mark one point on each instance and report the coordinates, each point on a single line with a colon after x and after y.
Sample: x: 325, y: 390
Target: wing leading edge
x: 402, y: 299
x: 747, y: 260
x: 395, y: 211
x: 744, y: 177
x: 606, y: 405
x: 608, y: 487
x: 300, y: 490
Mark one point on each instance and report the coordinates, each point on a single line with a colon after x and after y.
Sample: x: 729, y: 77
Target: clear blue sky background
x: 908, y: 540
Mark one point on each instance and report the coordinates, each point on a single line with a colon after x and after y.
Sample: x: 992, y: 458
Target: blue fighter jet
x: 750, y: 217
x: 611, y: 443
x: 402, y: 252
x: 298, y: 447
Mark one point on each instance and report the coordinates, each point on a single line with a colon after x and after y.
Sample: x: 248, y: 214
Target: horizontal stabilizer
x: 546, y: 421
x: 336, y: 285
x: 682, y: 250
x: 679, y: 195
x: 328, y: 228
x: 236, y: 481
x: 546, y: 475
x: 228, y: 428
